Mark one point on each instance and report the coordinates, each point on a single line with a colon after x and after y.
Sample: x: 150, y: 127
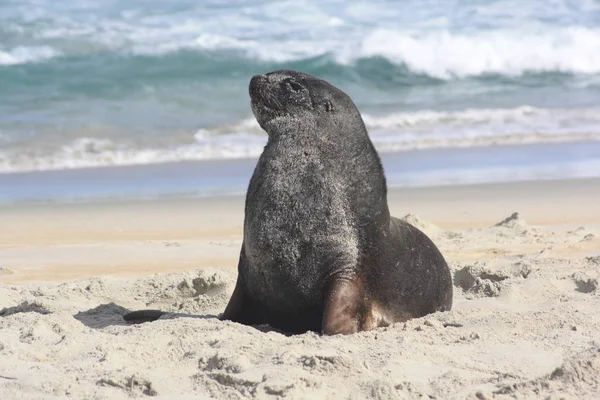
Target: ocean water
x: 208, y: 178
x: 87, y: 83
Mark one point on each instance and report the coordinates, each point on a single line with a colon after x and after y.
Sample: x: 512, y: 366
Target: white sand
x: 525, y: 322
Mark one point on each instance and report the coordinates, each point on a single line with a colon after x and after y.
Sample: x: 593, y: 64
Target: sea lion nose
x: 255, y: 83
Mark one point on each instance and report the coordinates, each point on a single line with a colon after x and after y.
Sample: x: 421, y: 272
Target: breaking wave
x: 393, y: 132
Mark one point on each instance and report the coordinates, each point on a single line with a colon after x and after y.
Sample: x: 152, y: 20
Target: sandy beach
x: 129, y: 131
x: 524, y: 323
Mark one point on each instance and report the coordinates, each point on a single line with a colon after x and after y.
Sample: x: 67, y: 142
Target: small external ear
x: 328, y: 106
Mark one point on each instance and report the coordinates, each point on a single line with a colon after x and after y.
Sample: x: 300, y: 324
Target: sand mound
x: 430, y: 229
x: 514, y: 221
x: 425, y: 226
x: 578, y: 377
x: 482, y: 279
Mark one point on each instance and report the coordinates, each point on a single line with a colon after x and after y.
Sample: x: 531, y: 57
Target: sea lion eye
x: 294, y: 86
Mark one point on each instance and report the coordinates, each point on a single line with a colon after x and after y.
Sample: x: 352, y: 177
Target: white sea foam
x: 481, y: 122
x: 395, y: 132
x: 92, y: 152
x: 445, y: 55
x: 508, y: 38
x: 441, y: 54
x: 26, y: 54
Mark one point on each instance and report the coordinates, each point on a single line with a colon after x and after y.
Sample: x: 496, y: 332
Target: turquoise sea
x: 503, y: 84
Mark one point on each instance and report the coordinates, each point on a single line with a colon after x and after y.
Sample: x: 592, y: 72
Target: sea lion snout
x: 263, y: 102
x: 257, y: 85
x: 263, y: 93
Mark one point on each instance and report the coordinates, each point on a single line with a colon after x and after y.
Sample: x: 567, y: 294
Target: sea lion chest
x: 298, y: 228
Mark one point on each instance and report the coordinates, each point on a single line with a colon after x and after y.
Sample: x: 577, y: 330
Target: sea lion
x: 320, y: 250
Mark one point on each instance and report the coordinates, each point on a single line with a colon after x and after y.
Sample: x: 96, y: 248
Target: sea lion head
x: 288, y: 98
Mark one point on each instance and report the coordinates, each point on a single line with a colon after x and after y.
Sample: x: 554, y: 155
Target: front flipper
x: 344, y: 306
x: 348, y: 309
x: 242, y: 309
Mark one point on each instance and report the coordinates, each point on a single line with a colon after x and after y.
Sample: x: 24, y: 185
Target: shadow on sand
x: 112, y: 314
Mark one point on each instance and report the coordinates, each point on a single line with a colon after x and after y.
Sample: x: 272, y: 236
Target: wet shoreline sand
x: 72, y: 241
